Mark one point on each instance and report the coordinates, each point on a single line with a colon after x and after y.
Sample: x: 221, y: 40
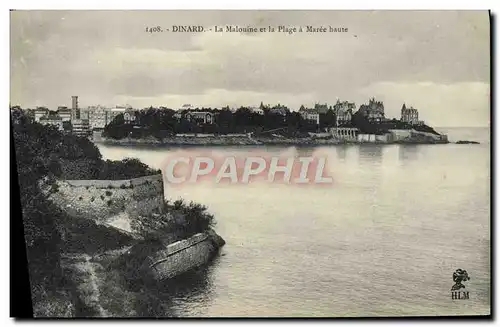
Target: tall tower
x: 75, y: 111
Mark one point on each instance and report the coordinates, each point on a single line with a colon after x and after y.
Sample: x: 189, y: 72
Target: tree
x: 328, y: 119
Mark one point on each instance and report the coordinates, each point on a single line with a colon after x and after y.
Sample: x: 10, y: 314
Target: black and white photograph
x: 252, y: 163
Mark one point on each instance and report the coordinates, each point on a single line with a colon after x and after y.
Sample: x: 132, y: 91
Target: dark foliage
x: 196, y: 218
x: 43, y: 154
x: 161, y: 123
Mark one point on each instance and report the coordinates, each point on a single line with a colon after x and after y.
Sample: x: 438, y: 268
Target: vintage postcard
x: 256, y: 163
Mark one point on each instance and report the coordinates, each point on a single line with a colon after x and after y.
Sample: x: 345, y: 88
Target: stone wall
x: 400, y: 134
x: 366, y: 138
x: 375, y: 138
x: 104, y: 200
x: 431, y: 136
x: 414, y: 135
x: 182, y: 256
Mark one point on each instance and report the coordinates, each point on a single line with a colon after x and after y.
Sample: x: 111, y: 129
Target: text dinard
x: 253, y: 29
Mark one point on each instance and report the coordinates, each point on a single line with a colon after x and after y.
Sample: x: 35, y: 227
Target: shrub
x: 92, y: 199
x: 178, y: 204
x: 102, y: 197
x: 196, y: 217
x: 124, y: 169
x: 80, y: 198
x: 109, y: 202
x: 123, y: 186
x: 109, y: 193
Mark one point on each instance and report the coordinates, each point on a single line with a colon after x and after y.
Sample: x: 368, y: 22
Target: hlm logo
x: 458, y: 291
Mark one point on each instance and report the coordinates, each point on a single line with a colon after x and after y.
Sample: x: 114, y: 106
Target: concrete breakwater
x: 165, y: 260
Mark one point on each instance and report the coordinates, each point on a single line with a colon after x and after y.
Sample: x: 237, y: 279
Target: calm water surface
x: 384, y: 239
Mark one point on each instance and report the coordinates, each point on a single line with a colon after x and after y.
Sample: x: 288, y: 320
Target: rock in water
x: 467, y: 142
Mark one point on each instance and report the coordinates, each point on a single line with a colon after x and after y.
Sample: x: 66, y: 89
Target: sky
x: 435, y: 61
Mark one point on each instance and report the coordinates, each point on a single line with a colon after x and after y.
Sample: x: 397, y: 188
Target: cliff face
x: 114, y: 202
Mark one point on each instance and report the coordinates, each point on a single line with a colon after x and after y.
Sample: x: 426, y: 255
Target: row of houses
x: 190, y: 113
x: 343, y: 110
x: 81, y: 121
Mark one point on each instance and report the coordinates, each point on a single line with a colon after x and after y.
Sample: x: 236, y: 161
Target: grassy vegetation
x: 175, y: 220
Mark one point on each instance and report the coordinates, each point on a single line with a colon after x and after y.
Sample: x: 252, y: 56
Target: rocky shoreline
x: 239, y: 141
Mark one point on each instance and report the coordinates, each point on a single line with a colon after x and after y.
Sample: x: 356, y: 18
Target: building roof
x: 309, y: 111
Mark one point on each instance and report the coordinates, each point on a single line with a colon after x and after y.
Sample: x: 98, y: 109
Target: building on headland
x: 178, y: 115
x: 100, y: 117
x: 116, y: 111
x: 53, y: 120
x: 279, y: 110
x: 374, y: 110
x: 64, y: 113
x: 40, y: 112
x: 181, y: 112
x: 122, y: 109
x: 201, y: 117
x: 321, y: 108
x: 311, y: 115
x: 409, y: 115
x: 129, y: 116
x: 257, y: 110
x: 56, y: 118
x: 344, y: 133
x: 343, y: 111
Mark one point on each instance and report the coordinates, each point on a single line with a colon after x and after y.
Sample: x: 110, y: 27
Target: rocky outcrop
x: 466, y: 142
